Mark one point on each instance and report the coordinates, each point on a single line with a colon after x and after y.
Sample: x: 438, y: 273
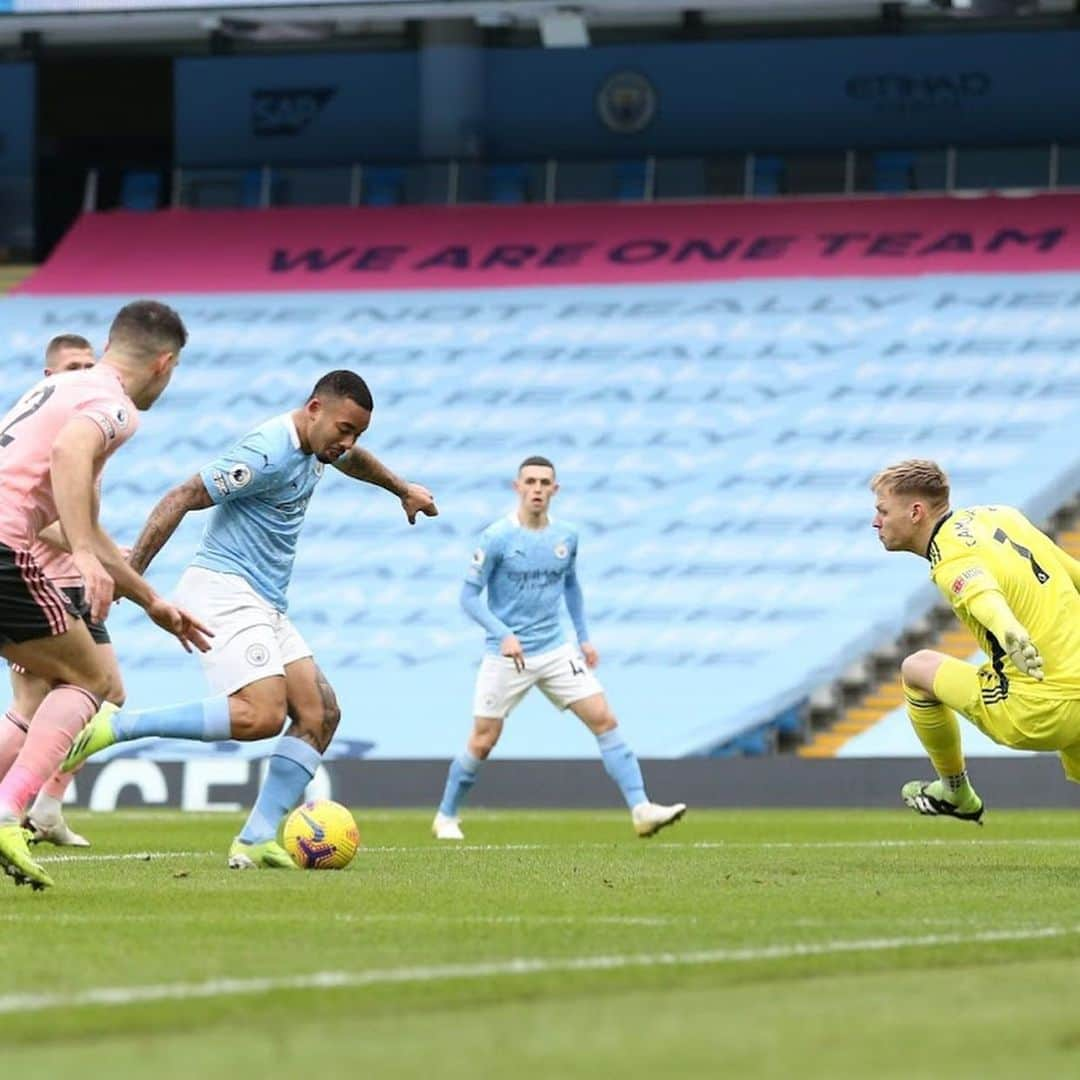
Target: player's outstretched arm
x: 165, y: 517
x: 992, y: 610
x: 365, y: 466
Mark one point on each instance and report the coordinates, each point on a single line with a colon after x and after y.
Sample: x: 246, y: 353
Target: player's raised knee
x: 918, y: 669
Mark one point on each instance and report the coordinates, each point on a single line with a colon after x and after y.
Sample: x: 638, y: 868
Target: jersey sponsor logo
x: 962, y: 579
x: 561, y: 551
x: 220, y: 482
x: 239, y: 476
x: 536, y: 579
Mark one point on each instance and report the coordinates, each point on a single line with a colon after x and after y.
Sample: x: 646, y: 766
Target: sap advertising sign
x: 289, y: 111
x: 294, y: 109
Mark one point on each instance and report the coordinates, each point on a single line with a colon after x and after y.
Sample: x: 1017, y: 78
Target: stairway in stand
x: 12, y: 274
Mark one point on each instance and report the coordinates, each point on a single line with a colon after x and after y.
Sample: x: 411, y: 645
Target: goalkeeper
x: 1016, y: 590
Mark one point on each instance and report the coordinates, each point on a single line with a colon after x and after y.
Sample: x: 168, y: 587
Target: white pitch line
x: 704, y: 845
x: 967, y: 841
x: 111, y: 996
x: 518, y: 920
x: 129, y: 856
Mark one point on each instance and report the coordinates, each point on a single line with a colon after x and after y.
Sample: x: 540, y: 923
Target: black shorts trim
x: 31, y: 606
x: 76, y: 595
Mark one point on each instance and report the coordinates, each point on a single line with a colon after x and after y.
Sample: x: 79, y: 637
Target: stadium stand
x: 714, y: 437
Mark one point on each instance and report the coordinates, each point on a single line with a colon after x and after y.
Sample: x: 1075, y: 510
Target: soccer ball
x: 321, y: 835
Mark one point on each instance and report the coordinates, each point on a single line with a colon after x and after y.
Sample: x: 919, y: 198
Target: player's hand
x: 99, y: 586
x: 418, y: 500
x: 183, y: 626
x: 592, y: 657
x: 511, y: 647
x: 1023, y: 653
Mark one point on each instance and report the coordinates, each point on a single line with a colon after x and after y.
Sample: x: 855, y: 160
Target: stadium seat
x: 382, y: 185
x: 251, y: 188
x: 140, y: 190
x: 507, y: 183
x: 894, y: 170
x: 769, y: 175
x: 630, y: 180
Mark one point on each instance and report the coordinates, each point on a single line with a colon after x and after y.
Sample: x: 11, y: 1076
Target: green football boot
x: 935, y: 800
x: 16, y: 861
x: 96, y: 736
x: 269, y: 855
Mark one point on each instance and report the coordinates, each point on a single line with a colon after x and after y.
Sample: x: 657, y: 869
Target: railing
x: 749, y: 175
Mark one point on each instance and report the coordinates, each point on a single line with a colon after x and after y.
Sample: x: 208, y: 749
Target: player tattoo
x: 331, y: 711
x: 164, y: 518
x: 361, y: 465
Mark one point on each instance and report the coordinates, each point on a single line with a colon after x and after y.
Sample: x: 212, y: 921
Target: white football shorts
x: 560, y: 673
x: 252, y: 639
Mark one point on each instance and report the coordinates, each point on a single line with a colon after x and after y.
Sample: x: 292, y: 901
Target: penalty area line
x: 119, y: 996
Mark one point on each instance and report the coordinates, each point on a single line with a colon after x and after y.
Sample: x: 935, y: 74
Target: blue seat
x: 769, y: 175
x: 630, y: 180
x: 140, y: 190
x: 382, y: 185
x: 894, y: 170
x: 251, y: 184
x: 507, y: 183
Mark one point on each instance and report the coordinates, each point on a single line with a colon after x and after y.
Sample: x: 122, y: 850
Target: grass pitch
x: 742, y: 944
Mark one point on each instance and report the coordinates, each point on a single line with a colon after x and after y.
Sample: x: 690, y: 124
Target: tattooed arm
x: 165, y: 517
x: 364, y: 466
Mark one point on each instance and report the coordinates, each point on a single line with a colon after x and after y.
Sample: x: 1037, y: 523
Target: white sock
x: 47, y: 810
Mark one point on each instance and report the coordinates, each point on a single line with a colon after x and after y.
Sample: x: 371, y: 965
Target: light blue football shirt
x: 526, y: 572
x: 261, y: 488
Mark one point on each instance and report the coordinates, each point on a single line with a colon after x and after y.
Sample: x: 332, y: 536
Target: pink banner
x: 177, y: 251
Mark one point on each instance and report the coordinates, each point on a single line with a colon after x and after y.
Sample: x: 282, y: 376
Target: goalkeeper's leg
x: 934, y: 685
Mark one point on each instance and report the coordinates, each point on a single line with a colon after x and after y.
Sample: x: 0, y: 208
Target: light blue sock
x: 459, y: 782
x: 207, y: 720
x: 621, y: 764
x: 292, y: 766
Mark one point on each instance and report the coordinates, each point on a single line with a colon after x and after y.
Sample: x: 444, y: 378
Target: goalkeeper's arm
x: 992, y: 610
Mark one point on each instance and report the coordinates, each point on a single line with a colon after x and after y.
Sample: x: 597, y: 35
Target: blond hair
x: 916, y: 476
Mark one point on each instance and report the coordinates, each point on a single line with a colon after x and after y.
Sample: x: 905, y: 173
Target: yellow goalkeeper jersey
x: 995, y: 547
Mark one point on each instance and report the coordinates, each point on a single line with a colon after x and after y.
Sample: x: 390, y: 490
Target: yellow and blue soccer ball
x: 321, y: 835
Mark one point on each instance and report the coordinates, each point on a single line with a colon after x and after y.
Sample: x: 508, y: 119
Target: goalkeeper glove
x: 1023, y: 653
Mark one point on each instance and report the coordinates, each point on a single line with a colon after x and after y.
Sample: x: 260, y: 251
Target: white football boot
x: 57, y: 832
x: 446, y: 828
x: 649, y: 817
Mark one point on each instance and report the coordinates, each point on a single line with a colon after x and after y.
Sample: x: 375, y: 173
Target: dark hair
x: 344, y: 384
x: 536, y: 459
x: 66, y: 341
x: 144, y: 329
